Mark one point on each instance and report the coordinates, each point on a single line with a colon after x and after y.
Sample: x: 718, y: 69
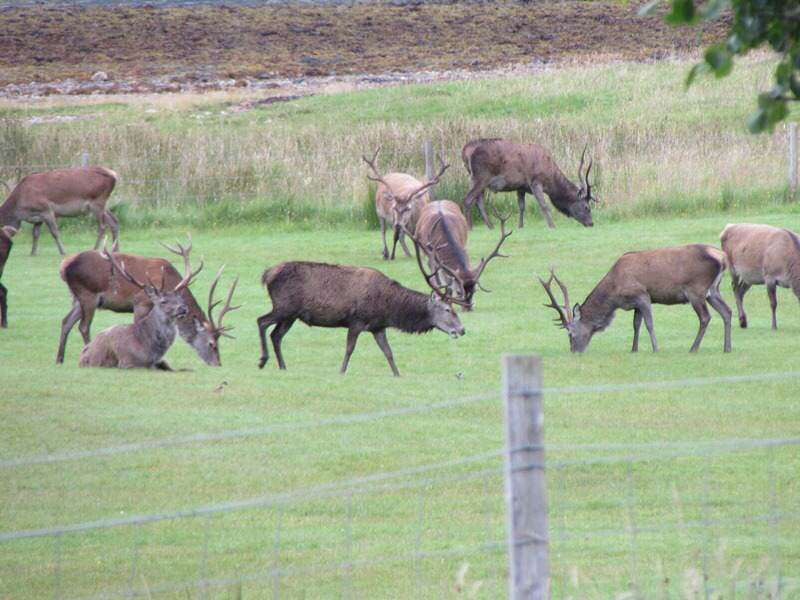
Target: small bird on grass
x: 220, y: 388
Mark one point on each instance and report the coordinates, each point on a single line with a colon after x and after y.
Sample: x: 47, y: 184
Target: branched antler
x: 184, y: 251
x: 109, y: 256
x: 496, y: 252
x: 218, y: 328
x: 441, y: 291
x: 564, y: 312
x: 430, y: 183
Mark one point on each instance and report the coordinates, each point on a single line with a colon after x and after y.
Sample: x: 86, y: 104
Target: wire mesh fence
x: 658, y: 519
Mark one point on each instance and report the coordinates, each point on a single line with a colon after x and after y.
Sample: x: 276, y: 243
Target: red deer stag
x: 679, y: 275
x: 505, y: 166
x: 357, y: 298
x: 142, y: 344
x: 398, y: 201
x: 41, y: 197
x: 442, y: 234
x: 6, y: 233
x: 94, y: 284
x: 759, y: 254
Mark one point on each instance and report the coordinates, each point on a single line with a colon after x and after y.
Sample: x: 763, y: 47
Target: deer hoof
x: 262, y: 362
x: 743, y: 322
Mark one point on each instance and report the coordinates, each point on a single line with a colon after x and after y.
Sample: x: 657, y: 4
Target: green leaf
x: 757, y: 121
x: 719, y: 59
x: 711, y: 10
x: 696, y: 70
x: 682, y: 12
x: 794, y: 85
x: 647, y: 9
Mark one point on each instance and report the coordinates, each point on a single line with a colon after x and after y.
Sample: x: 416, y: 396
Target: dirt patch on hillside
x: 207, y: 47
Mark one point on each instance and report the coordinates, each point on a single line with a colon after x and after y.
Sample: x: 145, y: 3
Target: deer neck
x: 599, y: 307
x: 454, y: 255
x: 8, y: 213
x: 156, y: 332
x: 562, y: 191
x: 411, y: 314
x: 186, y: 327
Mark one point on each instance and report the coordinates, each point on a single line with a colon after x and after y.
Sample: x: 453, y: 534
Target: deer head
x: 580, y: 332
x: 581, y: 209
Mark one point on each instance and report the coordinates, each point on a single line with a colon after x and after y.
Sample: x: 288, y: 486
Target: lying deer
x: 6, y: 234
x: 442, y: 234
x: 505, y: 166
x: 142, y: 344
x: 678, y: 275
x: 357, y: 298
x: 398, y: 201
x: 760, y: 254
x: 41, y: 197
x: 94, y: 284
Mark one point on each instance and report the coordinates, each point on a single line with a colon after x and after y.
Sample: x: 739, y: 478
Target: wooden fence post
x: 85, y: 159
x: 793, y: 158
x: 429, y: 166
x: 526, y: 508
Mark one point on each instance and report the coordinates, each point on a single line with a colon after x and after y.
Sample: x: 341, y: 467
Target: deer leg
x: 101, y: 228
x: 521, y: 205
x: 647, y: 314
x: 704, y: 316
x: 482, y: 210
x: 113, y: 223
x: 383, y: 236
x: 773, y: 302
x: 383, y: 344
x: 403, y: 244
x: 276, y: 336
x: 352, y: 337
x: 264, y: 321
x: 66, y: 326
x: 395, y: 239
x: 719, y: 305
x: 50, y: 221
x: 3, y: 306
x: 739, y: 290
x: 87, y: 314
x: 637, y: 323
x: 539, y: 195
x: 37, y: 231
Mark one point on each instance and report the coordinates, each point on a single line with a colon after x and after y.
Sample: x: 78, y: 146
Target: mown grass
x: 658, y: 149
x: 593, y: 508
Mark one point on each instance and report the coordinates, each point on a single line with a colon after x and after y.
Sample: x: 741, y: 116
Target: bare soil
x: 146, y: 48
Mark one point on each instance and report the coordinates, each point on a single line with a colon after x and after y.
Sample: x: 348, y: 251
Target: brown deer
x: 760, y: 254
x: 142, y: 344
x: 94, y: 284
x: 505, y: 166
x: 357, y: 298
x: 398, y: 201
x: 41, y: 197
x: 6, y: 235
x: 442, y: 234
x: 678, y: 275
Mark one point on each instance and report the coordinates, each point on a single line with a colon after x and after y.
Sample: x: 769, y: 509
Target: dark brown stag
x: 95, y: 285
x: 356, y: 298
x: 506, y: 166
x: 6, y: 235
x: 442, y: 235
x: 399, y: 200
x: 678, y: 275
x: 41, y: 197
x: 142, y: 344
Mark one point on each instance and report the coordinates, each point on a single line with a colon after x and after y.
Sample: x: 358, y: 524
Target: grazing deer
x: 505, y: 166
x: 679, y: 275
x: 41, y: 197
x: 442, y: 234
x: 142, y: 344
x: 94, y: 284
x: 759, y: 254
x: 6, y: 233
x: 358, y: 298
x: 398, y: 201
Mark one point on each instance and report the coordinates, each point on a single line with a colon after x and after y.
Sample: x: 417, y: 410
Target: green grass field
x: 379, y: 527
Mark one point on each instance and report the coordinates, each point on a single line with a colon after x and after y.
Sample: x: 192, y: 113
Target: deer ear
x: 576, y: 312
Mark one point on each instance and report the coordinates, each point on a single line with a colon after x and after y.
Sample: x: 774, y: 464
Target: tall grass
x: 657, y: 149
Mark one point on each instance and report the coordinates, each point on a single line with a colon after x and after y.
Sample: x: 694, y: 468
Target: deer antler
x: 429, y: 277
x: 109, y: 256
x: 219, y: 329
x: 378, y: 177
x: 496, y: 252
x: 564, y: 317
x: 430, y: 183
x: 580, y: 166
x: 184, y: 251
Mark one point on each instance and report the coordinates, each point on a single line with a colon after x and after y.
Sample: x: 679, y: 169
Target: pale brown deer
x: 761, y: 254
x: 6, y: 235
x: 95, y: 285
x: 677, y: 275
x: 398, y: 201
x: 41, y: 197
x: 356, y: 298
x: 143, y: 343
x: 505, y: 166
x: 442, y: 235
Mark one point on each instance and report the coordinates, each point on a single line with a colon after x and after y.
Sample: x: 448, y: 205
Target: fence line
x: 359, y: 485
x: 389, y: 413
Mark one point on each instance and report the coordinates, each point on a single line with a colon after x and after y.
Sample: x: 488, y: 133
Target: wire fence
x: 675, y: 518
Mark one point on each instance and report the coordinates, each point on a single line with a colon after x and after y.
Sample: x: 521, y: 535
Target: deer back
x: 64, y: 190
x: 755, y: 251
x: 442, y: 226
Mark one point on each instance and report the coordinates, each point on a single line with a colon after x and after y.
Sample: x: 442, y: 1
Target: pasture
x: 325, y: 485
